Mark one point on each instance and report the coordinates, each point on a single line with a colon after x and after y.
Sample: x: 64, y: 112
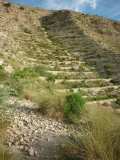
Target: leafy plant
x: 30, y: 72
x: 74, y: 104
x: 51, y: 78
x: 7, y: 4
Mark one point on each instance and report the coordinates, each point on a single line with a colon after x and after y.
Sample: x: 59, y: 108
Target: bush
x: 7, y: 4
x: 21, y: 8
x: 27, y: 30
x: 14, y: 86
x: 26, y: 72
x: 51, y: 78
x: 30, y: 72
x: 74, y: 104
x: 118, y: 101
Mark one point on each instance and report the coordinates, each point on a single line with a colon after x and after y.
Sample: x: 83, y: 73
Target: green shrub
x: 21, y: 8
x: 51, y: 78
x: 27, y: 30
x: 7, y: 4
x: 30, y: 72
x: 74, y: 104
x: 26, y: 72
x: 117, y: 104
x: 118, y: 101
x: 14, y: 86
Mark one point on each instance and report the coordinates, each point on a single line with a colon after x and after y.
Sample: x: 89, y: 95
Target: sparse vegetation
x: 30, y: 72
x: 98, y: 138
x: 5, y: 154
x: 74, y: 104
x: 7, y: 4
x: 51, y: 78
x: 118, y: 101
x: 50, y: 103
x: 21, y: 7
x: 44, y: 59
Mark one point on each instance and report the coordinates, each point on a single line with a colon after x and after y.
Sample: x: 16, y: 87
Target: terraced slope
x: 92, y: 67
x: 67, y: 28
x: 38, y: 46
x: 61, y: 43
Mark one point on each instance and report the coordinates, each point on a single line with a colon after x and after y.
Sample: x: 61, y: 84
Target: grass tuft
x: 98, y: 138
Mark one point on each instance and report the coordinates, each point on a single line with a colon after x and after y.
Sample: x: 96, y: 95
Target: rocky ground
x: 36, y: 136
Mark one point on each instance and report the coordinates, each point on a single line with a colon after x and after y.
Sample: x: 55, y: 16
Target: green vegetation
x: 30, y: 72
x: 74, y: 104
x: 51, y: 78
x: 7, y: 4
x: 118, y: 101
x: 16, y: 83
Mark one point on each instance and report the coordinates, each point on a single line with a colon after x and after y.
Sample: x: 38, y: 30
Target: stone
x: 31, y: 152
x: 9, y: 69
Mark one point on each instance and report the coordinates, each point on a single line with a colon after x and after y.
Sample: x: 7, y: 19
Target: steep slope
x: 74, y: 31
x: 22, y: 37
x: 62, y: 47
x: 62, y: 42
x: 101, y: 30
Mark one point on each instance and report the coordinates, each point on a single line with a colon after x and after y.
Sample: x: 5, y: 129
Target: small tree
x: 74, y: 104
x: 7, y: 4
x: 51, y: 78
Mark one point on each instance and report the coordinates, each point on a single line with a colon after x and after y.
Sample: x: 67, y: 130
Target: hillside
x: 44, y: 57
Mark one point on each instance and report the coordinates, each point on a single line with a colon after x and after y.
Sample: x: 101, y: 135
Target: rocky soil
x: 36, y: 136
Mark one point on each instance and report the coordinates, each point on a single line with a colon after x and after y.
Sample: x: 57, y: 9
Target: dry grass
x: 5, y: 153
x: 49, y: 101
x: 99, y: 137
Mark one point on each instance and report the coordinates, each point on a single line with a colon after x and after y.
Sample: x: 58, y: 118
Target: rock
x: 30, y: 132
x: 9, y: 144
x: 31, y: 152
x: 9, y: 69
x: 21, y: 147
x: 1, y: 62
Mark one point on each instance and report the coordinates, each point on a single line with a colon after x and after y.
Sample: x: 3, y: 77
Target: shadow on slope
x: 64, y: 31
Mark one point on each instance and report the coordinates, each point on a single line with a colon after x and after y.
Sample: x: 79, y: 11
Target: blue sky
x: 106, y: 8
